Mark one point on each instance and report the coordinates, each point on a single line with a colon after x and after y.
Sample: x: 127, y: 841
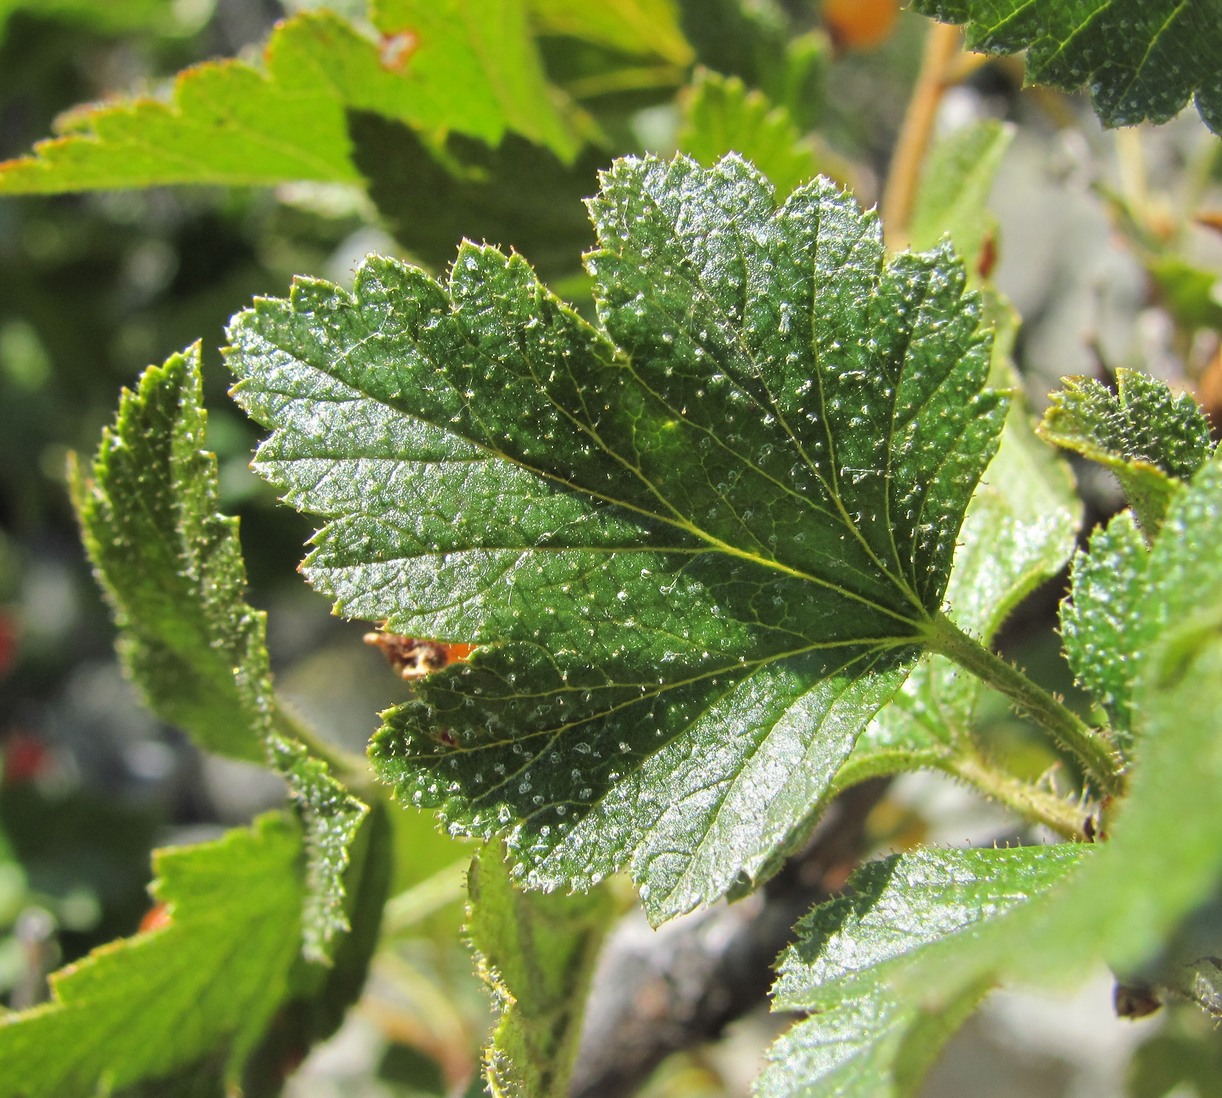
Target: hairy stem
x: 1099, y: 762
x: 940, y: 49
x: 1029, y: 801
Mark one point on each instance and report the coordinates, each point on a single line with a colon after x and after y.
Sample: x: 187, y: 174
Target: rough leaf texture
x: 1144, y: 433
x: 172, y: 568
x: 699, y: 543
x: 1142, y: 59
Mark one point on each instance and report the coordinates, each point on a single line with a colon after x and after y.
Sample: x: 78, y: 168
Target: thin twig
x: 941, y: 48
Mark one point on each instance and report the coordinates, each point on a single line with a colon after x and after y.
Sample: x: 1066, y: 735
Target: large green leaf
x: 1143, y: 59
x: 172, y: 568
x: 699, y: 545
x: 466, y: 65
x: 200, y: 991
x: 537, y: 955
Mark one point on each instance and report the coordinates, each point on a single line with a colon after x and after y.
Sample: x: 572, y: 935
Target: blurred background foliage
x: 1108, y: 244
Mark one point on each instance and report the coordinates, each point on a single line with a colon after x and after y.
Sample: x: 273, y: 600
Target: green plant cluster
x: 707, y: 502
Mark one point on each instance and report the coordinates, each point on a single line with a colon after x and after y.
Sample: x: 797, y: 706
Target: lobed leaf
x: 1145, y: 434
x: 698, y: 544
x: 216, y: 974
x: 721, y: 115
x: 468, y: 67
x: 536, y: 953
x: 173, y: 571
x: 1142, y: 59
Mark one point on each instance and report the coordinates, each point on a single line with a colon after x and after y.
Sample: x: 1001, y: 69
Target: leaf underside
x: 1142, y: 59
x: 698, y: 543
x: 864, y: 1037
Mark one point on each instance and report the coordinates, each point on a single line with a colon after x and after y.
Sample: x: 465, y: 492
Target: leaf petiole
x: 1099, y: 762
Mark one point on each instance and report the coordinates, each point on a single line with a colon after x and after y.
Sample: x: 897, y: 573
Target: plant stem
x: 940, y: 48
x: 1087, y: 745
x: 1029, y: 801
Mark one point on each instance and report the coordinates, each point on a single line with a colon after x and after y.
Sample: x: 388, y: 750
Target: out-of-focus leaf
x: 721, y: 116
x: 201, y: 990
x: 233, y: 123
x: 630, y: 26
x: 756, y: 43
x: 697, y: 546
x: 536, y: 953
x: 1149, y: 437
x: 953, y: 196
x: 1142, y: 59
x: 518, y: 195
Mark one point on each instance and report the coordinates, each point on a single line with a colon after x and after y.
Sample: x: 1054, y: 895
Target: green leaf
x: 518, y: 195
x: 172, y: 566
x: 233, y: 123
x: 698, y: 545
x: 869, y: 1047
x: 1163, y: 858
x: 630, y: 26
x: 117, y: 15
x: 172, y: 569
x: 1103, y: 626
x: 1145, y: 434
x: 756, y: 42
x: 537, y: 954
x: 1143, y: 59
x: 1019, y: 531
x: 864, y: 1038
x: 952, y: 199
x: 720, y: 116
x: 204, y: 988
x: 331, y: 817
